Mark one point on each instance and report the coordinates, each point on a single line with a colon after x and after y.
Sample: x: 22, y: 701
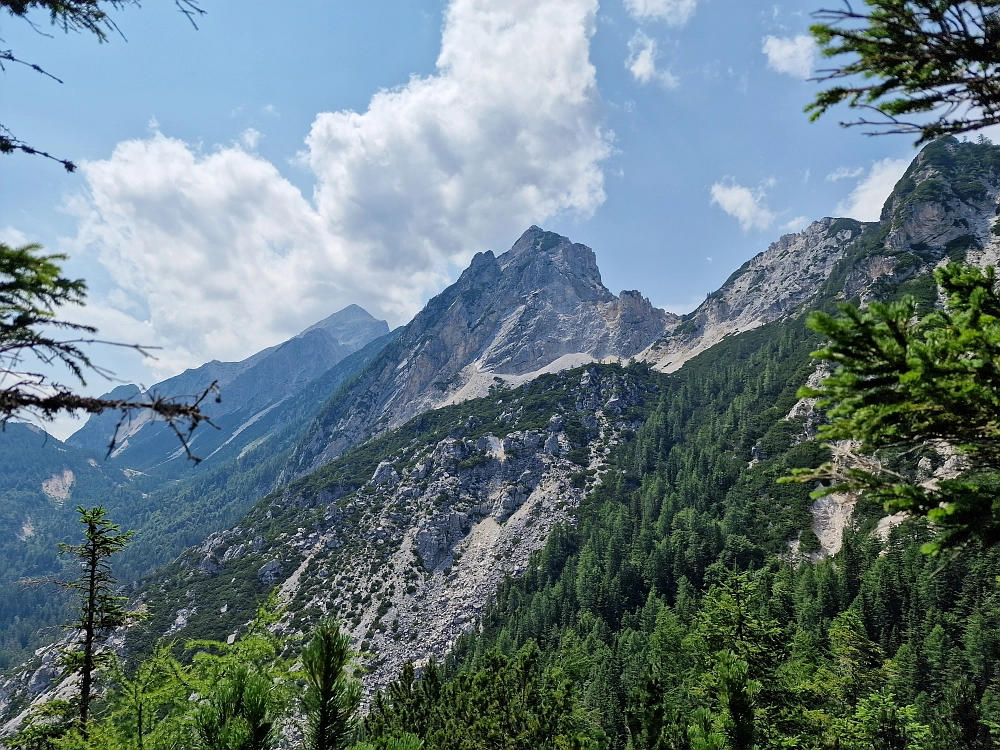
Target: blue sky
x: 241, y: 181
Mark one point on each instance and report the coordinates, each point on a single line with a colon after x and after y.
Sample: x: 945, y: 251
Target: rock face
x: 250, y: 389
x: 540, y: 307
x: 944, y: 207
x: 769, y: 286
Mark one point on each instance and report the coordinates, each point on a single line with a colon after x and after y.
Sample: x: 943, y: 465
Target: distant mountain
x: 540, y: 307
x: 268, y: 402
x: 249, y: 390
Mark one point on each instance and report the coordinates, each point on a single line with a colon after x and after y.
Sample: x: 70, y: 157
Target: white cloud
x: 793, y: 56
x: 224, y: 256
x: 796, y: 225
x: 844, y: 173
x: 865, y: 201
x: 673, y: 12
x: 251, y: 137
x: 743, y: 204
x: 641, y: 62
x: 13, y: 237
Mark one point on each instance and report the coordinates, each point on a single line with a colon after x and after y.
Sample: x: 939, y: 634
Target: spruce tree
x: 332, y: 697
x: 908, y: 387
x: 101, y: 609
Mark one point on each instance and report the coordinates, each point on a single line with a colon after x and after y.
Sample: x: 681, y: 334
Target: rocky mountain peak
x: 352, y: 327
x: 539, y: 307
x: 944, y: 207
x: 546, y: 259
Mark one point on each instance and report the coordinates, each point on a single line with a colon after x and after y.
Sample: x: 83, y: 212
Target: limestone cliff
x: 539, y: 307
x: 769, y: 286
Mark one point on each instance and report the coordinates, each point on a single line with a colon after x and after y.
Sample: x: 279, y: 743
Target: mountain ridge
x: 249, y: 387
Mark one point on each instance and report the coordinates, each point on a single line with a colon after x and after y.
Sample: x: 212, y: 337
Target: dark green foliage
x: 101, y: 608
x: 239, y: 713
x: 46, y: 726
x: 911, y: 58
x: 506, y: 703
x: 332, y: 697
x: 36, y: 523
x: 784, y: 654
x: 918, y: 386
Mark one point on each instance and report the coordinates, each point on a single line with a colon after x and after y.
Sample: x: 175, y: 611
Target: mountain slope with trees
x: 43, y: 479
x: 645, y: 567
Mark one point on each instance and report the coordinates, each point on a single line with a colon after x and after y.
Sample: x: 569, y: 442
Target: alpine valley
x: 537, y: 473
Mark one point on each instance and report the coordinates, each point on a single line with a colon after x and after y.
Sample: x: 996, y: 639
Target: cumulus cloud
x: 844, y: 173
x: 865, y: 201
x: 745, y: 205
x: 216, y: 254
x: 13, y: 237
x: 792, y: 56
x: 796, y: 225
x: 673, y: 12
x: 251, y: 137
x: 641, y: 62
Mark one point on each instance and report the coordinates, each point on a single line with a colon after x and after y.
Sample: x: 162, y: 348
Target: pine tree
x: 101, y: 608
x: 240, y: 713
x: 920, y: 386
x: 332, y: 698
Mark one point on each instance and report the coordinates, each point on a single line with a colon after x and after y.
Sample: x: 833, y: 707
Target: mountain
x: 269, y: 401
x: 407, y: 535
x: 41, y: 481
x: 484, y: 481
x: 944, y: 207
x: 249, y: 390
x: 540, y: 307
x: 768, y: 287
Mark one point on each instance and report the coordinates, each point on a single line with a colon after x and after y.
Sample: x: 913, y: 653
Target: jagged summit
x: 539, y: 307
x: 944, y: 206
x: 539, y: 256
